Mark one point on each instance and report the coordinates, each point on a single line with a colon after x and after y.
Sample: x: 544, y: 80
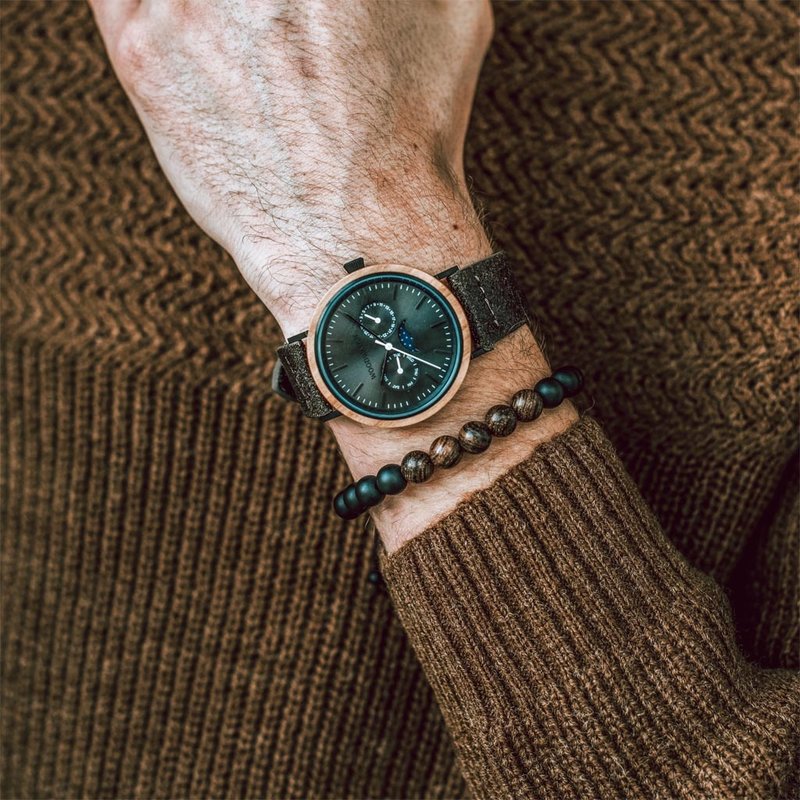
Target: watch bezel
x: 436, y: 285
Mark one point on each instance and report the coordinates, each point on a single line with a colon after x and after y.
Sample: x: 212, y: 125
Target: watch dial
x: 388, y: 345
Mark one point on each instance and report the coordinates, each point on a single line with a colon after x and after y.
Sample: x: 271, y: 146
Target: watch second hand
x: 390, y: 346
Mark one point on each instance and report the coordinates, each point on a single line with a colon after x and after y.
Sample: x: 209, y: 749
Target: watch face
x: 388, y: 346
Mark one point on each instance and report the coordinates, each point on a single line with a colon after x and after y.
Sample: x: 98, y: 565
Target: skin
x: 300, y: 135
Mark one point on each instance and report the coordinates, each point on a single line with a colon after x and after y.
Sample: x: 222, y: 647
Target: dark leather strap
x: 292, y: 380
x: 486, y: 289
x: 493, y: 303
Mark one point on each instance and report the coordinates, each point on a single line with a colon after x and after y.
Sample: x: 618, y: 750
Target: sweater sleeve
x: 575, y: 653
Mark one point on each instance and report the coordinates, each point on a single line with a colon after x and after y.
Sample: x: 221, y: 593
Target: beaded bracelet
x: 445, y: 452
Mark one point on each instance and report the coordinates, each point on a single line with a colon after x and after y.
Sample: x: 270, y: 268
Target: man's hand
x: 300, y: 135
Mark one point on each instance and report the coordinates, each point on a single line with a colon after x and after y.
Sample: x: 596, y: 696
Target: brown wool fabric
x: 183, y: 614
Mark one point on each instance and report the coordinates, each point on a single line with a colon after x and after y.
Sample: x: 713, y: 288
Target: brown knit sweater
x: 184, y: 616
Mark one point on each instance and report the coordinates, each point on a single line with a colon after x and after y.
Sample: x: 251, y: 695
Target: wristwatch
x: 389, y: 345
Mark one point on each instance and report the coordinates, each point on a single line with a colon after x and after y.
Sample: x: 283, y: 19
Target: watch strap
x: 292, y: 380
x: 489, y: 295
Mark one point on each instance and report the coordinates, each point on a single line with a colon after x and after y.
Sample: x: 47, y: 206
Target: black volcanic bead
x: 390, y: 479
x: 341, y: 507
x: 351, y: 499
x: 527, y: 405
x: 551, y: 392
x: 445, y: 452
x: 571, y: 380
x: 417, y: 466
x: 501, y: 420
x: 474, y: 437
x: 368, y: 492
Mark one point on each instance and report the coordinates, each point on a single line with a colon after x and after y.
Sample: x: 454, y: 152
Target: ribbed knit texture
x: 183, y: 614
x: 574, y: 651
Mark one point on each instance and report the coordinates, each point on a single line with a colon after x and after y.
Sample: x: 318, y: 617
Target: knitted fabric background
x: 184, y: 615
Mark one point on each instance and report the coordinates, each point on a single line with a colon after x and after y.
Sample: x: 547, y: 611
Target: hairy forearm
x: 417, y: 219
x: 300, y: 141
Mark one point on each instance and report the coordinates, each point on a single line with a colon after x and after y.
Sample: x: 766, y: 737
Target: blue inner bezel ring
x: 333, y: 304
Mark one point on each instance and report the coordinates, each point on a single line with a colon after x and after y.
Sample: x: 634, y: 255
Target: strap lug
x: 355, y: 264
x: 446, y: 273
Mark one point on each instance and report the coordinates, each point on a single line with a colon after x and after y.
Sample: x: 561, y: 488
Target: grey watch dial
x: 388, y: 345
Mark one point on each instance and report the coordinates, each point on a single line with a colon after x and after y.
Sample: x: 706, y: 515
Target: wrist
x: 516, y: 362
x: 430, y: 230
x: 292, y: 268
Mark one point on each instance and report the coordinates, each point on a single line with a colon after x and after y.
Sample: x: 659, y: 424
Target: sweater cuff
x: 572, y: 649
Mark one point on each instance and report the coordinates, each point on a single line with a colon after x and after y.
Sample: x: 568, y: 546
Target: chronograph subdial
x: 400, y: 372
x: 378, y: 318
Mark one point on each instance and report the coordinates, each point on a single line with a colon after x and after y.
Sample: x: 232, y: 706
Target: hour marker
x: 341, y: 366
x: 394, y: 293
x: 441, y: 350
x: 439, y: 323
x: 383, y: 398
x: 358, y: 388
x: 422, y: 300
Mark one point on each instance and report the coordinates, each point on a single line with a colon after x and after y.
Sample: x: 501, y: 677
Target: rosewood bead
x: 390, y: 479
x: 416, y: 466
x: 551, y: 392
x: 474, y: 437
x: 571, y: 380
x: 368, y: 492
x: 501, y: 420
x: 527, y: 405
x: 446, y: 452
